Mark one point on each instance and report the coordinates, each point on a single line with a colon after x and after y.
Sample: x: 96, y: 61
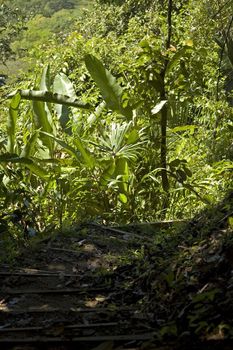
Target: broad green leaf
x: 122, y: 173
x: 187, y: 171
x: 45, y: 82
x: 70, y: 150
x: 158, y: 107
x: 189, y: 42
x: 63, y: 85
x: 29, y: 163
x: 145, y: 44
x: 230, y: 222
x: 41, y: 122
x: 37, y: 170
x: 45, y: 85
x: 175, y: 163
x: 29, y: 148
x: 181, y: 175
x: 108, y: 172
x: 107, y: 83
x: 133, y: 136
x: 90, y: 162
x: 11, y: 121
x: 122, y: 197
x: 190, y: 128
x: 63, y: 114
x: 93, y: 117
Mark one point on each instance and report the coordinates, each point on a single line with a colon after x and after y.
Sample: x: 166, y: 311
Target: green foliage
x: 11, y: 23
x: 13, y: 113
x: 110, y: 89
x: 101, y: 157
x: 27, y: 24
x: 46, y: 7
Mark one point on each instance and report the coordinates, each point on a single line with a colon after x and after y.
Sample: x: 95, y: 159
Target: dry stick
x: 36, y: 310
x: 55, y: 291
x: 39, y: 339
x: 155, y: 224
x: 75, y: 326
x: 121, y: 232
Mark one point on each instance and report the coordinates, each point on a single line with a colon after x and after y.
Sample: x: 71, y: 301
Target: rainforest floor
x: 157, y: 286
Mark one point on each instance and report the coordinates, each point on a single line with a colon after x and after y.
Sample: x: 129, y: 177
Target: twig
x: 121, y: 232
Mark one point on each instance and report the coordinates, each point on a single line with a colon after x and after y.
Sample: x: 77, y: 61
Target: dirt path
x: 102, y: 288
x: 76, y: 290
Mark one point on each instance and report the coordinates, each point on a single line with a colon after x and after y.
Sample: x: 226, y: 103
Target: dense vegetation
x: 130, y: 117
x: 25, y: 25
x: 115, y: 115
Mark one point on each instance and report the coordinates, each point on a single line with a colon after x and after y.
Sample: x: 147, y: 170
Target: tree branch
x: 47, y: 96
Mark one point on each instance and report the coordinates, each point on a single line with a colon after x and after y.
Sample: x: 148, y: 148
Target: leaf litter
x: 100, y: 287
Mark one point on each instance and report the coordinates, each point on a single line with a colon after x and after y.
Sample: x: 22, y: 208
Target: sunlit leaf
x: 108, y: 85
x: 41, y: 122
x: 108, y: 172
x: 122, y: 197
x: 189, y: 42
x: 69, y: 149
x: 133, y: 136
x: 29, y: 148
x: 89, y: 160
x: 62, y: 85
x: 11, y: 121
x: 158, y: 107
x: 190, y: 128
x: 45, y: 81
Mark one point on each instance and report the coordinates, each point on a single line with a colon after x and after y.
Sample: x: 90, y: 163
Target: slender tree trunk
x: 163, y: 145
x: 164, y: 111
